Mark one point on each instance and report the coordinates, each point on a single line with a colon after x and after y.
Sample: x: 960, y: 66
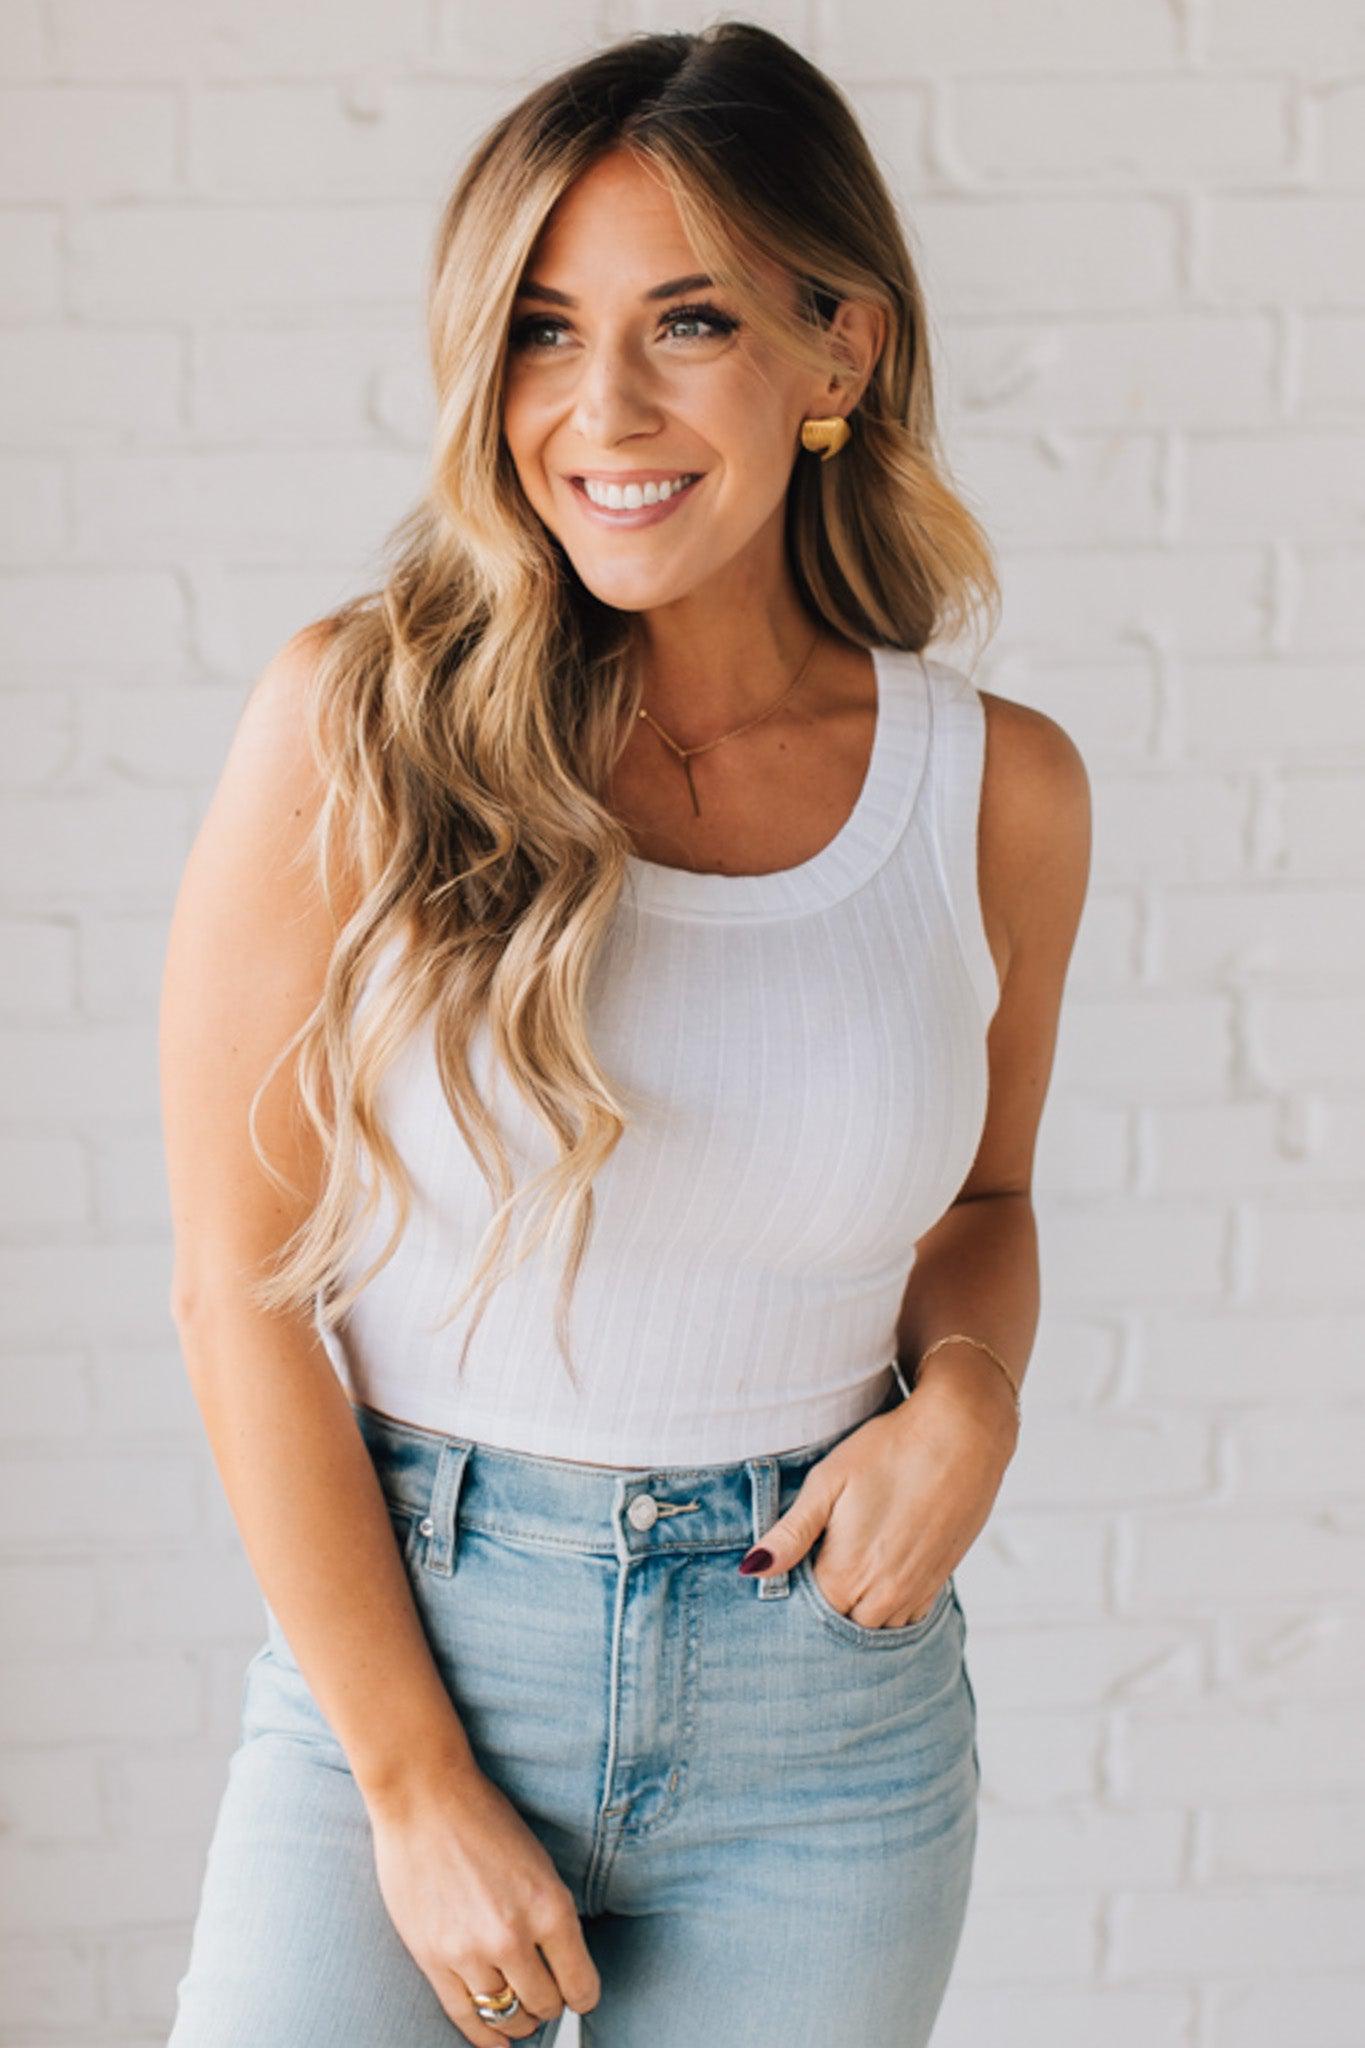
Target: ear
x: 857, y: 335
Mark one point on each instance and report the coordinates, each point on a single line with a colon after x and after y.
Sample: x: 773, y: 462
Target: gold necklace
x: 685, y: 753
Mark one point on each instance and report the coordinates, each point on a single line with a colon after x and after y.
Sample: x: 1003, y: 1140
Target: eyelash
x: 722, y: 323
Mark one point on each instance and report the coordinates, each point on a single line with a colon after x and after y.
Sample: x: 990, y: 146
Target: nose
x: 611, y: 397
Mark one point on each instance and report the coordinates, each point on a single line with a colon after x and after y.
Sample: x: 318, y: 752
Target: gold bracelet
x: 960, y: 1337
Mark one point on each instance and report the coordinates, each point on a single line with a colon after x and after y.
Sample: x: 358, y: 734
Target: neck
x: 700, y: 683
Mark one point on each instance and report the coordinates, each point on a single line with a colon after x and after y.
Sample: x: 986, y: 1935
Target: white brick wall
x: 1142, y: 232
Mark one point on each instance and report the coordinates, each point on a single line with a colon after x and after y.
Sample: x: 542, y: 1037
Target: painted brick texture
x: 1142, y: 233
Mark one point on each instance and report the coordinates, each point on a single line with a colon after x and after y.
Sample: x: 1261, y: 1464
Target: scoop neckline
x: 864, y: 840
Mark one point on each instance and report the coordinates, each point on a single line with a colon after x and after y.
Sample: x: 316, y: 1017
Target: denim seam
x: 677, y: 1777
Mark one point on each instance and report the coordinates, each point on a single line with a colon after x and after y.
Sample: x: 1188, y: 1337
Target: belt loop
x: 764, y: 1485
x: 441, y: 1519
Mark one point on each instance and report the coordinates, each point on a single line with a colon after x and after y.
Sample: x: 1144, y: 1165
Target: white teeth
x: 619, y: 498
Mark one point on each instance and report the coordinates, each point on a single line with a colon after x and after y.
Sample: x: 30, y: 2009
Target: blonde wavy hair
x: 467, y: 714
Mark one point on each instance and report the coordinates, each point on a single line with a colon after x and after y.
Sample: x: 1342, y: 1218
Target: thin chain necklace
x: 685, y: 753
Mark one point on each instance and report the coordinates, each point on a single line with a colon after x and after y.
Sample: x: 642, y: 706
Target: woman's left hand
x: 899, y: 1501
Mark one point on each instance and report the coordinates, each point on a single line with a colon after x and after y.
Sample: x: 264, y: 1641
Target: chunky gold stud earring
x: 828, y: 435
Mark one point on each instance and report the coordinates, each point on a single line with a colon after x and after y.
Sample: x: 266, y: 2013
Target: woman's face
x: 611, y: 377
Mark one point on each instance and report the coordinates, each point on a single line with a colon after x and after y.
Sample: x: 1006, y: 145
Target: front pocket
x: 844, y: 1626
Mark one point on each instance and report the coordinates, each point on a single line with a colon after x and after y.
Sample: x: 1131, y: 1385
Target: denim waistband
x: 456, y: 1483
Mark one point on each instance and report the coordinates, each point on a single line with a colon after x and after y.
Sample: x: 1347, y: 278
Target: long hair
x: 467, y: 714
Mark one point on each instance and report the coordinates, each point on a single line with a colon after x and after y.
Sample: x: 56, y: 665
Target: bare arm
x: 249, y: 942
x: 977, y: 1269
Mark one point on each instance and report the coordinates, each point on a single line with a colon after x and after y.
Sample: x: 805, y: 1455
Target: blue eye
x: 522, y: 330
x: 708, y: 316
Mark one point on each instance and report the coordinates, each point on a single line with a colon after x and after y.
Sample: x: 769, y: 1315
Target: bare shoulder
x: 274, y: 718
x: 1035, y: 822
x: 271, y: 786
x: 247, y: 953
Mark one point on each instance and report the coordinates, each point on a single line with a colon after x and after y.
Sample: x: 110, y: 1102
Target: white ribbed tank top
x: 807, y: 1053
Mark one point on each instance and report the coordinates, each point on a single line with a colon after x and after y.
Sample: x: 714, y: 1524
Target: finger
x: 458, y: 2003
x: 792, y: 1534
x: 575, y: 1972
x: 862, y: 1613
x: 920, y: 1613
x: 534, y: 1983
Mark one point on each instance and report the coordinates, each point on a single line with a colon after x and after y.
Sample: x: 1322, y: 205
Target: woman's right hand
x: 475, y: 1898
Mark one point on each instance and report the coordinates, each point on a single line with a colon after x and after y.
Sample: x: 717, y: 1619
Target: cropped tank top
x: 805, y: 1056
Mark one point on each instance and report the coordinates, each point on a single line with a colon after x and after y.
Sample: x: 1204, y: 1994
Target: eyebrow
x: 529, y: 289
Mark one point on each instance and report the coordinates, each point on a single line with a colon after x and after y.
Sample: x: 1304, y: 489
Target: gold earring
x: 827, y: 435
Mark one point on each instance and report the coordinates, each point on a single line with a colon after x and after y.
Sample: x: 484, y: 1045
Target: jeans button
x: 426, y: 1527
x: 643, y: 1511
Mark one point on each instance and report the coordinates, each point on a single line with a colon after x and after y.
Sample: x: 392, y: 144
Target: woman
x: 627, y: 851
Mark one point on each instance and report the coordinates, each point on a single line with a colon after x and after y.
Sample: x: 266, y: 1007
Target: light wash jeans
x: 765, y: 1812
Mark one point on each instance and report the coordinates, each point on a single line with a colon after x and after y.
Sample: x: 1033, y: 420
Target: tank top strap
x: 957, y: 758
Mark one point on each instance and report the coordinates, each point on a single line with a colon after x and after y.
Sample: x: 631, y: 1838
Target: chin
x: 635, y: 593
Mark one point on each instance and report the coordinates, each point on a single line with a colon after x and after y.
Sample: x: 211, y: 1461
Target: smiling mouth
x: 643, y: 513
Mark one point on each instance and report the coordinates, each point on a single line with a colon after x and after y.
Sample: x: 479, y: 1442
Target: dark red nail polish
x: 756, y: 1560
